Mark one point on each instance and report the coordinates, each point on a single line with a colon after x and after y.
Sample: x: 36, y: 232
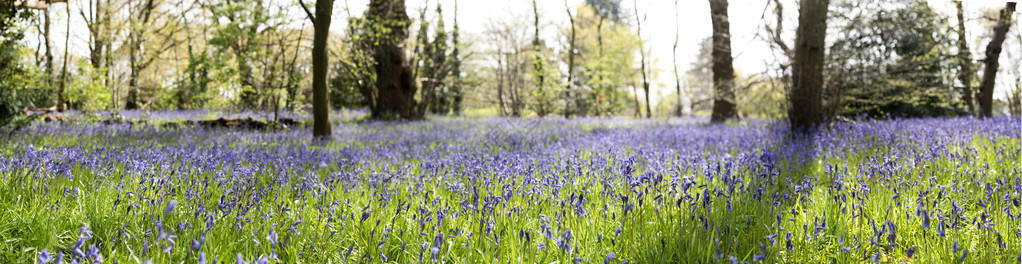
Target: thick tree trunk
x: 320, y: 62
x: 986, y: 87
x: 965, y: 59
x: 723, y: 71
x: 393, y: 74
x: 807, y: 74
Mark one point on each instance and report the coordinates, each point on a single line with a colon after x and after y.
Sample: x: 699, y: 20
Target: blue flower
x: 44, y: 257
x: 170, y: 207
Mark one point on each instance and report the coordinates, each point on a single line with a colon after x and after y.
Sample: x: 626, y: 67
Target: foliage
x: 891, y: 58
x: 11, y: 70
x: 88, y: 90
x: 605, y: 71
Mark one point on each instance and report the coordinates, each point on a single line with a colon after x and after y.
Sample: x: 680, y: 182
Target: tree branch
x: 307, y: 12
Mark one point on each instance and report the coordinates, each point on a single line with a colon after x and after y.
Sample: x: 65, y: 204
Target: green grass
x: 46, y: 213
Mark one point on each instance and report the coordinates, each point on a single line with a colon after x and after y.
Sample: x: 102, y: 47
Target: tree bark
x: 393, y: 74
x: 674, y: 59
x: 63, y: 74
x: 320, y: 62
x: 986, y: 87
x: 723, y: 70
x: 642, y: 59
x: 571, y: 63
x: 50, y: 69
x: 965, y: 59
x: 807, y: 74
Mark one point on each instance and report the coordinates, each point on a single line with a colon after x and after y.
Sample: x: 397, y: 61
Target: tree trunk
x: 723, y: 71
x: 393, y: 73
x: 63, y: 74
x: 965, y: 59
x: 599, y: 66
x: 986, y: 87
x: 642, y: 59
x: 320, y: 62
x: 50, y: 69
x: 807, y: 74
x: 571, y: 63
x: 674, y: 58
x: 456, y: 89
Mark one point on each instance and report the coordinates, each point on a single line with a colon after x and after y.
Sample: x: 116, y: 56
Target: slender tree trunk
x: 723, y: 70
x: 599, y: 66
x: 986, y: 87
x: 456, y: 89
x: 674, y: 58
x: 807, y: 75
x: 500, y: 81
x: 571, y: 63
x: 965, y: 59
x: 61, y: 106
x: 320, y: 62
x: 50, y: 69
x: 642, y: 59
x: 542, y: 106
x: 638, y: 106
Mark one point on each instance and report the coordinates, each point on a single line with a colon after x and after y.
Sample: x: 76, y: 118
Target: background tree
x: 964, y: 60
x: 510, y: 50
x: 807, y: 74
x: 674, y: 60
x: 891, y: 60
x: 642, y: 59
x: 395, y: 90
x: 723, y: 71
x: 993, y: 52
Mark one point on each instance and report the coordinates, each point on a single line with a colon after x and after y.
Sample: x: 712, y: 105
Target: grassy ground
x: 509, y: 191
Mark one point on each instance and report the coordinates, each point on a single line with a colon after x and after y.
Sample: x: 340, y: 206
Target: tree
x: 544, y: 77
x: 144, y: 17
x: 457, y: 91
x: 568, y: 99
x: 993, y: 51
x: 807, y: 74
x: 511, y: 53
x: 892, y: 59
x: 674, y: 60
x: 965, y: 60
x: 320, y: 62
x: 642, y: 59
x: 10, y: 34
x: 432, y: 66
x: 395, y: 90
x: 723, y: 71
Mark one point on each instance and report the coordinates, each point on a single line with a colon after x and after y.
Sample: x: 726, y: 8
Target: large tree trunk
x: 807, y: 74
x: 723, y: 71
x: 986, y: 87
x: 393, y: 74
x: 320, y: 62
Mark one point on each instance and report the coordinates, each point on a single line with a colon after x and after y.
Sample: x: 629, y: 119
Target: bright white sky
x: 751, y: 54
